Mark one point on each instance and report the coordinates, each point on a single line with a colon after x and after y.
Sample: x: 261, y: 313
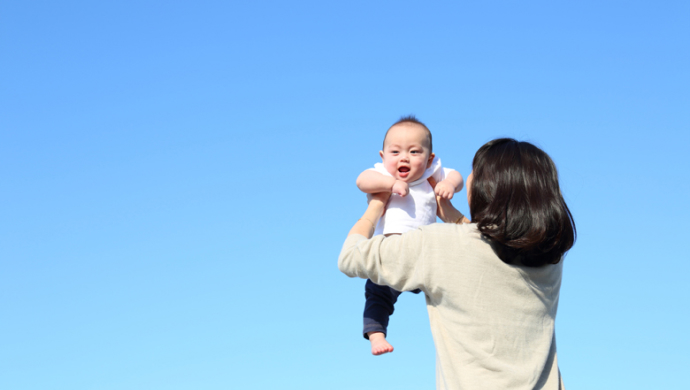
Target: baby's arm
x: 372, y: 182
x: 446, y: 211
x: 450, y: 185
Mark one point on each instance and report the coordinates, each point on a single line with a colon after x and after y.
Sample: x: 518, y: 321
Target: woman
x: 492, y: 285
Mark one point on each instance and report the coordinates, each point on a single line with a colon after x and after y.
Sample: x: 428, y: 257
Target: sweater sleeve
x: 394, y: 261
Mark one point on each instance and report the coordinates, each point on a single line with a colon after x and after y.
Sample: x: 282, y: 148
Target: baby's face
x: 405, y: 152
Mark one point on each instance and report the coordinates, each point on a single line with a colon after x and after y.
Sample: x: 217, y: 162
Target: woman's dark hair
x: 517, y: 204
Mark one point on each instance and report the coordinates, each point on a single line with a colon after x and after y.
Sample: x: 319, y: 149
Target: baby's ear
x: 381, y: 154
x: 431, y: 159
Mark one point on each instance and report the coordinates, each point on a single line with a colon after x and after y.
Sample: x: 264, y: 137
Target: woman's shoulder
x: 450, y: 231
x: 457, y: 247
x: 451, y: 228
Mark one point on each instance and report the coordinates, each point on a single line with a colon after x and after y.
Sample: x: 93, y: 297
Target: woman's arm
x: 448, y: 213
x: 396, y: 261
x: 366, y: 225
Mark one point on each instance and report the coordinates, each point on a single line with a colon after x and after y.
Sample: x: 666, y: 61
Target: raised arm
x: 395, y: 261
x: 448, y: 213
x: 366, y: 225
x: 372, y: 182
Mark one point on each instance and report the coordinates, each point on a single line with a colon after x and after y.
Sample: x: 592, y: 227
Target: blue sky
x: 178, y: 178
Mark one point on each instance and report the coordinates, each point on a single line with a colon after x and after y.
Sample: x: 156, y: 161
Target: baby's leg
x: 379, y: 307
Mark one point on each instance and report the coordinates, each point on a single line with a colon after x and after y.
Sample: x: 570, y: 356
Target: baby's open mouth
x: 403, y: 171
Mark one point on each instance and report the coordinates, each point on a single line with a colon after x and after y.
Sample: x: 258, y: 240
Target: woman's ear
x: 431, y: 159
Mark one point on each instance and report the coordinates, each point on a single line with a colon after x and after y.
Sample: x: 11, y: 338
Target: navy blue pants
x: 379, y: 306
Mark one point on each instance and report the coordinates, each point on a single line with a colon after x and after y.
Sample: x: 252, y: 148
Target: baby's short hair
x: 411, y: 119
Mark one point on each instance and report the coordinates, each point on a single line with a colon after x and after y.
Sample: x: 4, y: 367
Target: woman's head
x: 516, y: 201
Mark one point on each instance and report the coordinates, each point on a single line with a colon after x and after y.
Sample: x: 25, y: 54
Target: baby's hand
x: 444, y: 190
x: 401, y: 188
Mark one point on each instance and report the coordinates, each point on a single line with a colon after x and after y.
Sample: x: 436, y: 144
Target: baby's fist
x: 401, y: 188
x: 444, y: 190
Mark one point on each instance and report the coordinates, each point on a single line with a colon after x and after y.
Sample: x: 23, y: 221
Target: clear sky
x: 177, y: 179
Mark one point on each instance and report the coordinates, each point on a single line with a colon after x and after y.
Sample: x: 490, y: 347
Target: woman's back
x: 493, y: 323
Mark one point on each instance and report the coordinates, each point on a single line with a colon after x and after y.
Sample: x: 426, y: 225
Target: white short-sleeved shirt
x: 418, y: 208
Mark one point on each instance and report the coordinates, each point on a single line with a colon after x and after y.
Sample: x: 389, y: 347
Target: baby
x: 408, y: 161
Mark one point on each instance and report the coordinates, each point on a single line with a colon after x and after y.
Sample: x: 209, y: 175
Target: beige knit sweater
x: 492, y: 323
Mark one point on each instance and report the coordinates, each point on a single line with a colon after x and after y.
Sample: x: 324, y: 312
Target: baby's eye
x: 414, y: 151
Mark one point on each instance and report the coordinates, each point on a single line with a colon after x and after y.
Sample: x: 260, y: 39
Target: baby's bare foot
x: 379, y: 345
